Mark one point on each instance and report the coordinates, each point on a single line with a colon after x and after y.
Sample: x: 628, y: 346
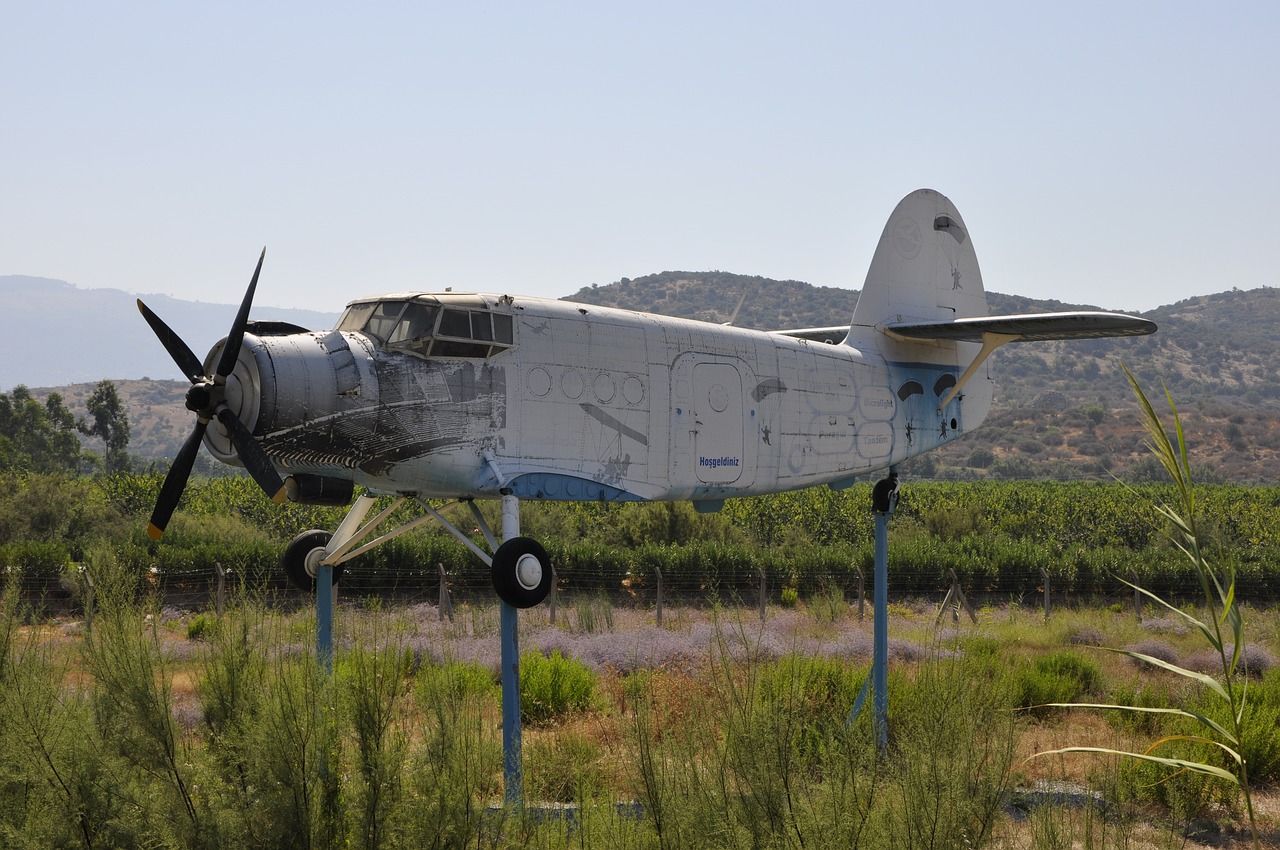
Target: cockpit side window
x: 429, y: 329
x: 470, y: 333
x: 355, y: 317
x: 502, y: 329
x: 415, y: 328
x: 455, y: 323
x: 383, y: 320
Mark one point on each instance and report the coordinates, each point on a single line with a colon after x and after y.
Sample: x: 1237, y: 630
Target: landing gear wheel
x: 302, y: 558
x: 521, y: 572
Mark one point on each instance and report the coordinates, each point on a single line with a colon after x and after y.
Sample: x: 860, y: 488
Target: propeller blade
x: 227, y: 361
x: 175, y: 481
x: 178, y: 350
x: 252, y: 456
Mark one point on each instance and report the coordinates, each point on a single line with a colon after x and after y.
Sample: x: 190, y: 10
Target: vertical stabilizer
x: 924, y: 269
x: 925, y: 272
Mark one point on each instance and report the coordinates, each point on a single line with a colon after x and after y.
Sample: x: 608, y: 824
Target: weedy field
x: 147, y: 726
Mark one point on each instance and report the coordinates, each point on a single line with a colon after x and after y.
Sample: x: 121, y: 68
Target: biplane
x: 470, y: 396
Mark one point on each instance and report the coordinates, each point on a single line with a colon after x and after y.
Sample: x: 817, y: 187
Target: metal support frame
x: 878, y: 681
x: 346, y: 544
x: 880, y: 633
x: 512, y: 767
x: 324, y: 617
x: 346, y: 541
x: 990, y: 342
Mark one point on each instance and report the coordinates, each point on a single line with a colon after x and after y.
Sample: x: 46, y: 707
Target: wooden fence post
x: 1045, y: 574
x: 955, y: 598
x: 764, y: 594
x: 88, y: 600
x: 220, y: 593
x: 658, y: 611
x: 445, y: 605
x: 551, y: 597
x: 862, y: 594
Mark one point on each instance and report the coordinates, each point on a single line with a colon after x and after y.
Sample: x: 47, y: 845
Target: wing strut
x: 990, y: 342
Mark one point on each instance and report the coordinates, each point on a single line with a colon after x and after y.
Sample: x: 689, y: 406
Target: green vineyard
x: 1002, y: 540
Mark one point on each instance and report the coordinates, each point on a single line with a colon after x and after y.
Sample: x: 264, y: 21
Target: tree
x: 37, y: 437
x: 110, y: 424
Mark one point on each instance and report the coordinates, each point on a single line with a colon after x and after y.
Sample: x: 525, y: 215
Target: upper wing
x: 1030, y: 327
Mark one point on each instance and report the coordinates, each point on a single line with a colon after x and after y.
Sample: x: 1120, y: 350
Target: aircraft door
x: 718, y: 438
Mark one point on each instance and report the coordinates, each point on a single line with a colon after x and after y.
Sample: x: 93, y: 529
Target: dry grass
x: 680, y: 694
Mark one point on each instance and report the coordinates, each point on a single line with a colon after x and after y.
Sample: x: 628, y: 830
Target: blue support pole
x: 884, y: 501
x: 324, y: 617
x: 512, y: 767
x: 880, y: 634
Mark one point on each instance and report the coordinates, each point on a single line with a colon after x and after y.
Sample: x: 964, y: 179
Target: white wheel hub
x: 529, y: 571
x: 312, y: 562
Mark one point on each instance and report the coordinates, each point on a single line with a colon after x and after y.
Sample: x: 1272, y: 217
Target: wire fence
x: 206, y: 586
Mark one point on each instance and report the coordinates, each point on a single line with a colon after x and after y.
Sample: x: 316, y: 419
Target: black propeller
x: 207, y: 399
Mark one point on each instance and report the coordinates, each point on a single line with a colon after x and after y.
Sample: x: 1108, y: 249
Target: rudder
x: 924, y: 269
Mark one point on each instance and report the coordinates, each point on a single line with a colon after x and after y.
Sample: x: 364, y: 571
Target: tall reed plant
x: 1222, y: 629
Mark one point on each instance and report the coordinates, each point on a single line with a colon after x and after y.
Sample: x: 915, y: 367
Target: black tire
x: 521, y: 572
x: 294, y: 559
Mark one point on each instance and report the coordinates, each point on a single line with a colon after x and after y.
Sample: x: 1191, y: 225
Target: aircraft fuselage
x: 556, y: 400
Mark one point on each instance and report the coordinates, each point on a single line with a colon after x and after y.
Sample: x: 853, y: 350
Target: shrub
x: 562, y: 769
x: 552, y: 686
x: 1058, y: 677
x: 38, y: 563
x: 981, y: 458
x: 595, y: 613
x: 1157, y: 649
x: 814, y: 694
x: 1086, y: 635
x: 456, y: 682
x: 829, y: 606
x: 199, y: 626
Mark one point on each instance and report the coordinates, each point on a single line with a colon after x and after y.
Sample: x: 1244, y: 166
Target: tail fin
x: 923, y: 301
x: 924, y: 269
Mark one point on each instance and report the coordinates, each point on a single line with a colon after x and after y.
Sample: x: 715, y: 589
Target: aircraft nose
x: 284, y: 383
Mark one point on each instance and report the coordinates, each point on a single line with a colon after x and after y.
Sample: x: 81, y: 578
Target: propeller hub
x: 200, y: 397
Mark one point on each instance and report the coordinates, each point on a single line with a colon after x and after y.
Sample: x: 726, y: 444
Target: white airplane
x: 480, y: 396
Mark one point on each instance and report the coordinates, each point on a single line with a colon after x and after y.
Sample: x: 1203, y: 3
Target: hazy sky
x: 1118, y: 154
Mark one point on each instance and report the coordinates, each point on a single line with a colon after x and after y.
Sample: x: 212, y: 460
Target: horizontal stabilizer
x: 1036, y: 327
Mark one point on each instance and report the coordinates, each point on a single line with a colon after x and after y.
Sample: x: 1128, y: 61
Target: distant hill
x: 64, y: 335
x: 1222, y: 349
x: 1063, y: 410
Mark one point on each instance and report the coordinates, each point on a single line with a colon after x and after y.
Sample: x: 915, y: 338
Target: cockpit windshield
x: 427, y: 328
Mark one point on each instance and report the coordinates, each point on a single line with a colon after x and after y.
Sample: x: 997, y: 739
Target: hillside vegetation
x: 1062, y: 410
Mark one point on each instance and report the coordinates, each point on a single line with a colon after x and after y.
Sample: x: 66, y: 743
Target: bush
x: 1058, y: 677
x: 813, y: 696
x: 199, y: 626
x: 562, y: 769
x: 37, y: 564
x: 456, y: 682
x: 552, y: 686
